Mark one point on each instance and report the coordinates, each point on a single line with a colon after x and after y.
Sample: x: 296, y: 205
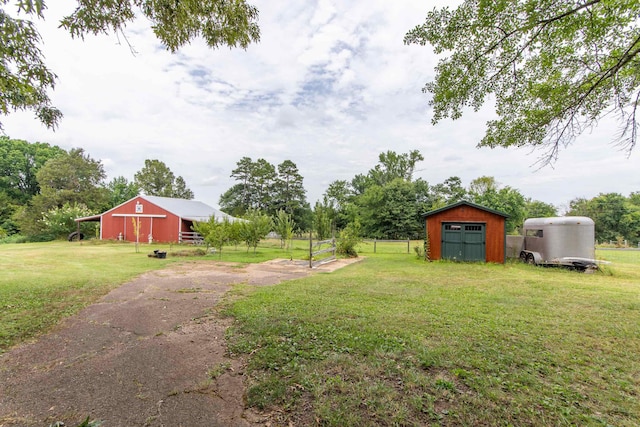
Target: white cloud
x: 330, y: 86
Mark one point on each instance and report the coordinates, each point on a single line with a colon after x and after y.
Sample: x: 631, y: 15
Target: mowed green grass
x: 391, y: 340
x: 397, y: 341
x: 41, y: 283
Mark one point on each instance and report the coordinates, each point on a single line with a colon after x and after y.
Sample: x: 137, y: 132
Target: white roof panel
x: 192, y: 210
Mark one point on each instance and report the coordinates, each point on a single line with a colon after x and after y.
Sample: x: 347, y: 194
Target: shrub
x: 348, y: 240
x: 59, y: 222
x: 14, y: 238
x: 419, y: 251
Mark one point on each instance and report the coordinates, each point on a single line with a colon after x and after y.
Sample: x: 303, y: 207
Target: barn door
x: 463, y: 242
x: 474, y: 242
x: 452, y: 241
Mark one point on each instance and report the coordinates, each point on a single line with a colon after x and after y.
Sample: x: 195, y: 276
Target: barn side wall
x: 495, y: 230
x: 162, y: 229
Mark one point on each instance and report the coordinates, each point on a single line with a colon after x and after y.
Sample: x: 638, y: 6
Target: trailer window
x: 534, y: 233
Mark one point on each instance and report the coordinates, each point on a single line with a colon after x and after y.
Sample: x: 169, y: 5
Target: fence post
x: 408, y: 244
x: 310, y: 250
x: 333, y: 241
x: 374, y: 245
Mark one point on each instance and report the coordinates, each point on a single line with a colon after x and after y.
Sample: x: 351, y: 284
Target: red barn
x: 467, y: 232
x: 158, y: 219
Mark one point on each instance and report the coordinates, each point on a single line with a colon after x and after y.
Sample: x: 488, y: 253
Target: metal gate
x: 463, y: 242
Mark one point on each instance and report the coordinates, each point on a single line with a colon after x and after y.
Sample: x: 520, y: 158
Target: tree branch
x: 570, y: 12
x: 628, y: 55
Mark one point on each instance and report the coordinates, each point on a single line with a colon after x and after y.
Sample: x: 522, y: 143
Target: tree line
x: 388, y: 203
x: 267, y: 188
x: 44, y: 187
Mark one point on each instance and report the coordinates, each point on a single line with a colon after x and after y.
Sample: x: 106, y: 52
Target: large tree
x: 232, y: 201
x: 447, y: 192
x: 242, y: 192
x: 289, y: 188
x: 392, y: 166
x: 71, y: 179
x: 156, y: 179
x: 20, y: 161
x: 554, y: 67
x: 264, y: 187
x: 338, y: 203
x: 25, y: 79
x: 538, y: 209
x: 615, y: 216
x: 486, y: 191
x: 121, y: 190
x: 390, y: 211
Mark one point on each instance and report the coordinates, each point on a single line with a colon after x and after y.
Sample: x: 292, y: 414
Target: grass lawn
x: 396, y: 341
x: 41, y: 283
x: 391, y: 340
x: 44, y: 282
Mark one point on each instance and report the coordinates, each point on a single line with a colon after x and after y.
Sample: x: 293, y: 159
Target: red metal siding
x: 495, y: 230
x: 162, y: 229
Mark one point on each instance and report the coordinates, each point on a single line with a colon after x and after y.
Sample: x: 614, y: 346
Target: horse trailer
x: 563, y: 241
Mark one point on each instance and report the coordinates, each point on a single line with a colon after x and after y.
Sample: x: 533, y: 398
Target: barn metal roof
x: 191, y: 210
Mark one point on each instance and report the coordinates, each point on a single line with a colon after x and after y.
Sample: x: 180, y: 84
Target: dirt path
x: 144, y: 355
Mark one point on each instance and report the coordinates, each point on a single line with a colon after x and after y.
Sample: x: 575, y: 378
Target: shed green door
x: 463, y: 242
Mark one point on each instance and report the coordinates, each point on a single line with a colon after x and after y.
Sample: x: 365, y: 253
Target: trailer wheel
x: 530, y: 259
x: 523, y: 256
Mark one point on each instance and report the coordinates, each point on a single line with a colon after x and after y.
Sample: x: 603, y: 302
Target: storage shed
x: 157, y: 219
x: 465, y: 231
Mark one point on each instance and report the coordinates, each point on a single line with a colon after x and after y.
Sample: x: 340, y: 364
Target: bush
x: 348, y: 240
x: 59, y: 222
x: 14, y: 238
x: 419, y: 251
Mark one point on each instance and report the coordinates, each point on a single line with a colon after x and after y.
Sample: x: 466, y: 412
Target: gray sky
x: 330, y: 86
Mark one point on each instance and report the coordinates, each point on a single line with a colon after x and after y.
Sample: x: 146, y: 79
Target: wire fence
x: 387, y: 246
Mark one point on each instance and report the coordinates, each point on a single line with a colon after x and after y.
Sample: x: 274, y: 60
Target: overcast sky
x: 330, y: 86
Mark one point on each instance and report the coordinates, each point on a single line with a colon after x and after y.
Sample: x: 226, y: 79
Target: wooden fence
x: 316, y: 249
x: 190, y: 237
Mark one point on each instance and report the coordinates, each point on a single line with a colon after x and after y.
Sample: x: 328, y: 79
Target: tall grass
x: 396, y: 341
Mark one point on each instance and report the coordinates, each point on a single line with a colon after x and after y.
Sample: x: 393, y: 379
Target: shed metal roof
x: 465, y: 203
